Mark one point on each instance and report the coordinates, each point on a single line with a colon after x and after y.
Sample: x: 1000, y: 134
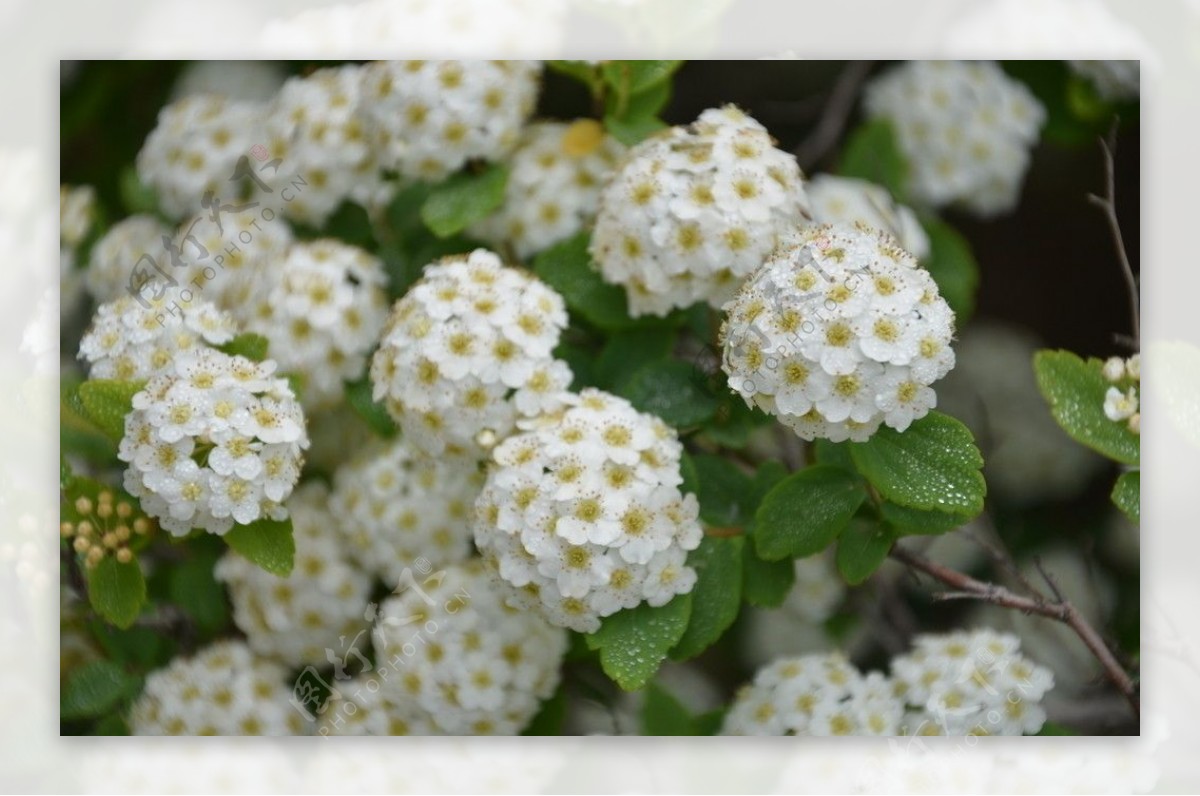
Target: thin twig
x: 1108, y: 204
x: 1001, y: 557
x: 836, y: 114
x: 1037, y: 562
x: 967, y: 587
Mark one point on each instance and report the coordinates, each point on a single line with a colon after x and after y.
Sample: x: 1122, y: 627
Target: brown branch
x: 967, y: 587
x: 834, y: 117
x: 1108, y: 205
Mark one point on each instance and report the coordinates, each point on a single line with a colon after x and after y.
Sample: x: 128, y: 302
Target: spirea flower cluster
x: 1121, y: 401
x: 554, y: 182
x: 467, y: 351
x: 970, y: 683
x: 222, y: 690
x: 426, y: 119
x: 838, y: 332
x: 480, y: 667
x: 846, y: 200
x: 694, y: 210
x: 215, y: 440
x: 322, y: 306
x: 133, y: 339
x: 965, y: 128
x: 583, y: 516
x: 194, y: 149
x: 395, y: 507
x: 295, y: 619
x: 821, y: 694
x: 231, y: 258
x: 118, y: 250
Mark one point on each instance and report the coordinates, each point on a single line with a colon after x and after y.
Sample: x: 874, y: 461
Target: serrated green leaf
x: 724, y: 491
x: 1127, y: 494
x: 918, y: 522
x: 871, y: 153
x: 953, y: 267
x: 464, y: 199
x: 805, y: 512
x: 1075, y: 389
x: 267, y: 543
x: 116, y: 591
x: 765, y: 583
x: 716, y: 596
x: 862, y: 547
x: 934, y: 464
x: 627, y: 352
x: 663, y: 714
x: 673, y: 390
x: 633, y: 643
x: 249, y: 345
x: 567, y: 267
x: 106, y: 402
x: 375, y: 415
x: 94, y: 689
x: 550, y: 716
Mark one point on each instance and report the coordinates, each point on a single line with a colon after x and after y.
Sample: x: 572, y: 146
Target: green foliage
x: 871, y: 153
x: 351, y: 224
x: 116, y: 591
x: 626, y: 353
x: 953, y: 267
x: 194, y: 589
x: 663, y: 714
x: 550, y: 717
x: 567, y: 267
x: 634, y: 642
x: 136, y: 196
x: 78, y: 435
x: 674, y: 391
x: 717, y: 595
x: 464, y: 199
x: 638, y: 91
x: 267, y: 543
x: 1075, y: 114
x: 1127, y: 494
x: 95, y: 689
x: 1075, y: 389
x: 933, y: 465
x: 723, y: 490
x: 805, y: 512
x: 862, y: 547
x: 765, y: 583
x: 919, y: 522
x: 375, y: 415
x: 106, y: 402
x: 249, y: 345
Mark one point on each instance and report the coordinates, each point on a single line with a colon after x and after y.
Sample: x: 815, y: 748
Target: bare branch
x: 836, y: 114
x: 1108, y: 205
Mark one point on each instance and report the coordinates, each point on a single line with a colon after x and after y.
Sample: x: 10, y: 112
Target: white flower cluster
x: 428, y: 118
x: 395, y: 506
x: 970, y: 683
x: 227, y: 260
x: 846, y: 200
x: 215, y: 440
x: 118, y: 250
x: 294, y: 620
x: 838, y: 332
x: 965, y: 128
x: 132, y: 342
x: 315, y: 128
x: 1121, y: 401
x: 554, y: 182
x: 694, y: 210
x: 583, y: 516
x: 221, y: 690
x: 819, y: 695
x: 322, y: 307
x: 1114, y: 80
x: 467, y: 351
x: 481, y: 668
x: 194, y: 150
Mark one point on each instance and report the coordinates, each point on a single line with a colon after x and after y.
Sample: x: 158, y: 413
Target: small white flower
x: 1120, y: 405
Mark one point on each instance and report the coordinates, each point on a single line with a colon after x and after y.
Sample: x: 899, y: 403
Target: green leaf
x: 871, y: 153
x: 917, y: 522
x: 550, y: 716
x: 1127, y: 494
x: 674, y: 391
x: 862, y: 547
x: 112, y: 724
x: 627, y: 352
x: 633, y: 130
x: 932, y: 465
x: 194, y: 589
x: 710, y: 723
x: 716, y: 596
x: 94, y: 689
x: 836, y: 454
x: 766, y: 477
x: 723, y: 490
x: 249, y: 345
x: 663, y: 714
x: 1050, y: 728
x: 464, y: 199
x: 135, y: 195
x: 634, y: 642
x: 805, y: 512
x: 351, y: 224
x: 586, y: 73
x: 268, y: 543
x: 359, y: 396
x: 765, y: 583
x: 953, y: 267
x: 734, y: 422
x: 567, y: 267
x: 638, y: 118
x: 636, y: 76
x: 116, y: 591
x: 691, y: 476
x: 106, y: 402
x: 1075, y: 390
